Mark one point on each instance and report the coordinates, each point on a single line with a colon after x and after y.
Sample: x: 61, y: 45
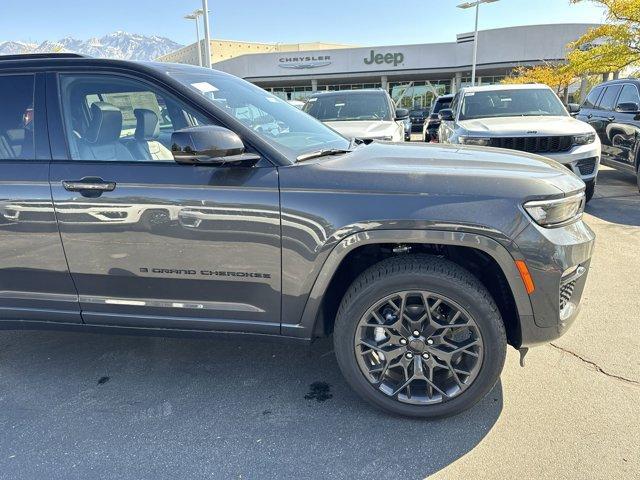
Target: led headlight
x: 584, y: 139
x: 558, y: 212
x: 478, y: 141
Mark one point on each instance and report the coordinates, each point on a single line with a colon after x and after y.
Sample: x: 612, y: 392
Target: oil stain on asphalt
x: 319, y: 391
x: 103, y: 380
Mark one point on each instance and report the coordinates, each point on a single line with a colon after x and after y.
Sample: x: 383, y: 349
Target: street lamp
x: 464, y: 6
x: 207, y: 38
x: 194, y: 16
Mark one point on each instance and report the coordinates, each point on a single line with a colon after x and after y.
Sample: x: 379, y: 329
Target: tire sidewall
x: 482, y: 311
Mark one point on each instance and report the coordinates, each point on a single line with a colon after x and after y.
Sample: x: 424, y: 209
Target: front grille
x: 566, y: 292
x: 534, y: 144
x: 587, y: 165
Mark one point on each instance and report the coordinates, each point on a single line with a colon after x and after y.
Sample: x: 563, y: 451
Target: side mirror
x: 573, y: 108
x: 402, y: 114
x: 210, y: 145
x: 628, y: 107
x: 446, y: 115
x: 434, y: 116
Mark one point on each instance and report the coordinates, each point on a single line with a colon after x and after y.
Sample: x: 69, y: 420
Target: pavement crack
x: 597, y: 367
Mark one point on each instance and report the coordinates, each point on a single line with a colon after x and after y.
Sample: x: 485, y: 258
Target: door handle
x: 93, y: 185
x: 611, y: 118
x: 590, y: 115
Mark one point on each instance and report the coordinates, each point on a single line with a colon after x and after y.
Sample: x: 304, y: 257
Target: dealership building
x: 413, y: 74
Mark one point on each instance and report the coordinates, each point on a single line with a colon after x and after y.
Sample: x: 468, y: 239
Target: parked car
x: 367, y: 114
x: 432, y: 123
x: 418, y: 116
x: 529, y: 118
x: 613, y: 110
x: 423, y: 261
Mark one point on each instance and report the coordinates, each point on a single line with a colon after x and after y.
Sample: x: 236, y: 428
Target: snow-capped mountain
x: 13, y: 48
x: 122, y: 45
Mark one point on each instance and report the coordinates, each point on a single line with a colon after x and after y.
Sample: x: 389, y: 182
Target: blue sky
x: 372, y: 22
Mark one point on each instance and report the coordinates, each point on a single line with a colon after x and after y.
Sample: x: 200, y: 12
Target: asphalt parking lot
x: 80, y: 406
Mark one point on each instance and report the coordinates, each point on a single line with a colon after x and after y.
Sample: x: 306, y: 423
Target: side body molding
x: 497, y: 251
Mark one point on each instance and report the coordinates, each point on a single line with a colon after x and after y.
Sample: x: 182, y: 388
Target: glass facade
x: 407, y: 94
x: 292, y: 93
x: 419, y: 94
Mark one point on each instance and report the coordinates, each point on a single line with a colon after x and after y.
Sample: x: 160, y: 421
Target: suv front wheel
x: 419, y: 336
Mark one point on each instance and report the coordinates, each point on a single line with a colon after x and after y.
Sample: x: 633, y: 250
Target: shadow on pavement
x: 617, y: 199
x: 96, y: 406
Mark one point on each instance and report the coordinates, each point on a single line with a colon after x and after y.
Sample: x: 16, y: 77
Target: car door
x: 603, y: 116
x: 35, y: 284
x: 624, y: 130
x: 150, y: 242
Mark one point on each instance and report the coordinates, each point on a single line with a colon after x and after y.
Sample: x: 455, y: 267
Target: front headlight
x: 478, y: 141
x: 584, y: 139
x: 556, y: 213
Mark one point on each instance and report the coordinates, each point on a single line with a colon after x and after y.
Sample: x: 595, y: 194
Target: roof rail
x: 29, y: 56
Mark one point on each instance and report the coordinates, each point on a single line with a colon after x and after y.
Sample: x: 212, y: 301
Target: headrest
x: 106, y: 123
x: 147, y: 126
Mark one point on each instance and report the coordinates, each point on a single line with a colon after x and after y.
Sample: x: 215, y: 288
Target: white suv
x: 367, y: 114
x: 529, y: 118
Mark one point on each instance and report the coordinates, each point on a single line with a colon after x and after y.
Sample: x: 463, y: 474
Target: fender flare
x: 494, y: 249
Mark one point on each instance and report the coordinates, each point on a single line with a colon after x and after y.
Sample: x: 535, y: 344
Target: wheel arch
x: 335, y: 271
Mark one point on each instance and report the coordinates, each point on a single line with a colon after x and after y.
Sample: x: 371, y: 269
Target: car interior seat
x: 146, y: 145
x: 101, y: 141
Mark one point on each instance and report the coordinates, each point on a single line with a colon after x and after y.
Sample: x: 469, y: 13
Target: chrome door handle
x: 88, y: 184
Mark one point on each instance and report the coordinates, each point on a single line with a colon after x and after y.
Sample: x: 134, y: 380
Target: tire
x: 590, y: 190
x: 444, y: 280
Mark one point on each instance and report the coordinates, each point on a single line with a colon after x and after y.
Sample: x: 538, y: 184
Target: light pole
x: 194, y: 16
x: 207, y: 37
x: 464, y: 6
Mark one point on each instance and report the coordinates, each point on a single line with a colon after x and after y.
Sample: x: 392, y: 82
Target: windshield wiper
x: 322, y: 153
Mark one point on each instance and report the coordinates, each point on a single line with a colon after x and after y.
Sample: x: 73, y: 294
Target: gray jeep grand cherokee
x: 164, y: 198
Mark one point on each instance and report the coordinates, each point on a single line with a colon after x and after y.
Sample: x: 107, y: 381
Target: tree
x: 612, y: 46
x: 556, y: 76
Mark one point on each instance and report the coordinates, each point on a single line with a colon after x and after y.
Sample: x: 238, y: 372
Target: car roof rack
x: 33, y: 56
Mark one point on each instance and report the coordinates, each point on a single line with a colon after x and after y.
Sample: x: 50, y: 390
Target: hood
x: 444, y: 169
x: 526, y: 126
x: 364, y: 128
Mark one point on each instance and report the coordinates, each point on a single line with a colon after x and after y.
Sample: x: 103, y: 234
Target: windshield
x: 511, y: 103
x: 441, y: 104
x: 344, y: 107
x: 280, y: 124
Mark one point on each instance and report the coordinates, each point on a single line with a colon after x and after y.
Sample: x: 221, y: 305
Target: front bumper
x: 583, y: 160
x: 558, y: 260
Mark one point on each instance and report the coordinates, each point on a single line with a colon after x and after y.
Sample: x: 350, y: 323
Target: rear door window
x: 16, y: 117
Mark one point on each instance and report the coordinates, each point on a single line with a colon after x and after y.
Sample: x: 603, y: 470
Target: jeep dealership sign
x: 394, y: 59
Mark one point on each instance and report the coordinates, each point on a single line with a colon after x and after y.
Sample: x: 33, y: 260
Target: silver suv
x: 529, y: 118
